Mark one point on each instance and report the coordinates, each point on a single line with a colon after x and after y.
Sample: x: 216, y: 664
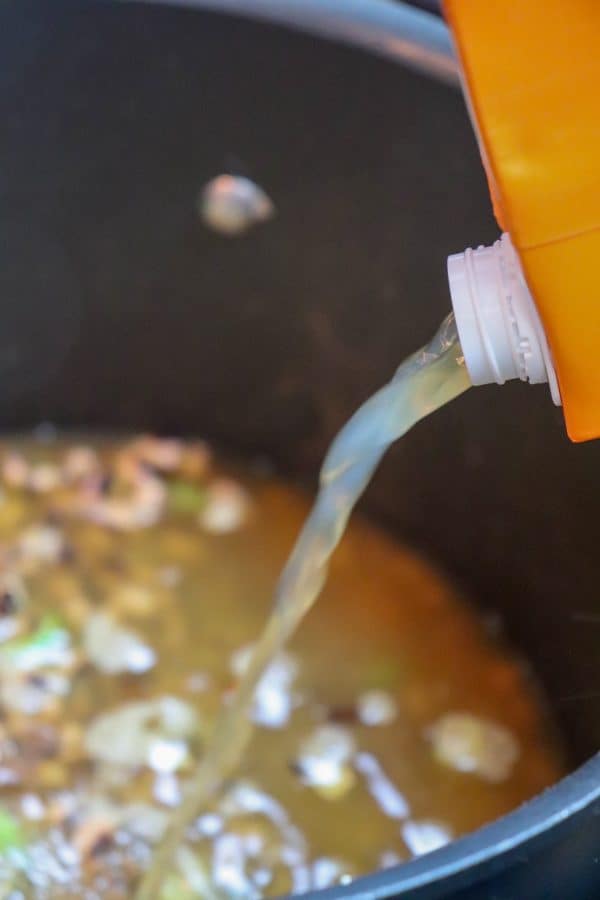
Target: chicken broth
x: 135, y: 577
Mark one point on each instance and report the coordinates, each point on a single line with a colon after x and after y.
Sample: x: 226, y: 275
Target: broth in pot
x: 136, y: 576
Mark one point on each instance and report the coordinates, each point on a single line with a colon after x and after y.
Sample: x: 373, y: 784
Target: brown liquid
x: 386, y: 621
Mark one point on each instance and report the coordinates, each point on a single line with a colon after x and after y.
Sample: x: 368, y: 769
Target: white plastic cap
x: 498, y: 325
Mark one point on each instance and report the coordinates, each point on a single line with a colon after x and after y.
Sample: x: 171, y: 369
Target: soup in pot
x: 135, y: 576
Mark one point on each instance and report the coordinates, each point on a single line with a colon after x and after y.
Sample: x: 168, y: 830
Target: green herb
x: 46, y: 646
x: 185, y: 497
x: 11, y: 834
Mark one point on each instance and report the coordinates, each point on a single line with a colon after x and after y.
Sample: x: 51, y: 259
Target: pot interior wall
x: 118, y: 308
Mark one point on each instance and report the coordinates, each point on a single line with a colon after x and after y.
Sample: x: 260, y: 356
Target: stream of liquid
x: 426, y: 381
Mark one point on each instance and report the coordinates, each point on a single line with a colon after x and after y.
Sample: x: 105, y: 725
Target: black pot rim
x: 463, y: 862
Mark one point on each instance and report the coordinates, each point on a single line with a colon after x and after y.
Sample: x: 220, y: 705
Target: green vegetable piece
x: 46, y: 646
x: 11, y: 833
x: 185, y: 497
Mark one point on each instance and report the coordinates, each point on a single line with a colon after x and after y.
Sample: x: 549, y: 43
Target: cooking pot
x: 119, y: 308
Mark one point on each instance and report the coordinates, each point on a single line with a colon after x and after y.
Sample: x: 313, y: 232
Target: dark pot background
x: 118, y: 307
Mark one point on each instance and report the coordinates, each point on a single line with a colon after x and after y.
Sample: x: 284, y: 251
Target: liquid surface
x: 135, y: 579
